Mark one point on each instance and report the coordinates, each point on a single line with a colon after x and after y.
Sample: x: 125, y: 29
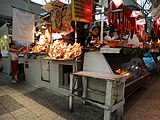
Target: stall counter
x: 51, y: 74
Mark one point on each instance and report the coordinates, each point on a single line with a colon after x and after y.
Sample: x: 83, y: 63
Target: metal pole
x: 26, y: 13
x: 75, y: 31
x: 102, y: 23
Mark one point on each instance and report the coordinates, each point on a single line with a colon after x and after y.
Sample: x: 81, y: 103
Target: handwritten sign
x: 82, y: 10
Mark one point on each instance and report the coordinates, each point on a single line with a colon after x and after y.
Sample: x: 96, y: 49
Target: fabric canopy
x: 23, y: 26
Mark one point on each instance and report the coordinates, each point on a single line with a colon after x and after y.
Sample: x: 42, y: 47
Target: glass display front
x: 131, y: 68
x: 149, y: 61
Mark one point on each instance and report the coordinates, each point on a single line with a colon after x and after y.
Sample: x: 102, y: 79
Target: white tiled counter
x: 50, y: 73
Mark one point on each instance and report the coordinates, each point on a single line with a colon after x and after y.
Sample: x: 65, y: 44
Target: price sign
x: 82, y: 10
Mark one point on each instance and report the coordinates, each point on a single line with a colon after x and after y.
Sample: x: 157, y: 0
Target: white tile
x: 19, y: 112
x: 26, y: 116
x: 7, y: 116
x: 49, y: 116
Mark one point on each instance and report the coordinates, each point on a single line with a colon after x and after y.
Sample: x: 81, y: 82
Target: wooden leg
x: 70, y: 94
x: 108, y: 101
x: 121, y: 91
x: 107, y: 115
x: 84, y: 88
x: 74, y: 68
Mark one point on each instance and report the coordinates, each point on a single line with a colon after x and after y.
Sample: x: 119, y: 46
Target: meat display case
x: 112, y: 61
x: 133, y: 68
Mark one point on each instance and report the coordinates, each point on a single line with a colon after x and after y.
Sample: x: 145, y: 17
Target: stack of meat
x: 124, y: 72
x: 43, y: 43
x: 118, y: 43
x: 63, y: 51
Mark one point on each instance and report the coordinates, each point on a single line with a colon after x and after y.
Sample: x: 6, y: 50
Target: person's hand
x: 95, y: 41
x: 92, y: 41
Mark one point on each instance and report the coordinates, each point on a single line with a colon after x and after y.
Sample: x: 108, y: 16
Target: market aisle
x: 16, y: 106
x: 23, y: 101
x: 144, y: 104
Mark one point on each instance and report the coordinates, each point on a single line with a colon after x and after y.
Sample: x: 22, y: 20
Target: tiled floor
x: 23, y: 101
x: 15, y: 105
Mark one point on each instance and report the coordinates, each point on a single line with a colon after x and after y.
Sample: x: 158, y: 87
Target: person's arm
x: 88, y: 40
x: 14, y: 50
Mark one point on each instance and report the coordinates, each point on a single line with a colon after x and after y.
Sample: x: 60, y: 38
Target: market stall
x: 55, y: 68
x: 53, y: 57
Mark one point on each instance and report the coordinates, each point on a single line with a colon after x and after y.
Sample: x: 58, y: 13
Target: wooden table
x: 113, y: 83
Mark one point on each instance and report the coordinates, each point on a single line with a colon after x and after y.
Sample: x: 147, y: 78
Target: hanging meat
x: 43, y: 43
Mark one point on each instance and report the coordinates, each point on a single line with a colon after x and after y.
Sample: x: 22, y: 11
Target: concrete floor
x: 24, y: 101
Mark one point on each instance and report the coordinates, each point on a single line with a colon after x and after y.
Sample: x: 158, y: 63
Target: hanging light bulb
x: 5, y: 37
